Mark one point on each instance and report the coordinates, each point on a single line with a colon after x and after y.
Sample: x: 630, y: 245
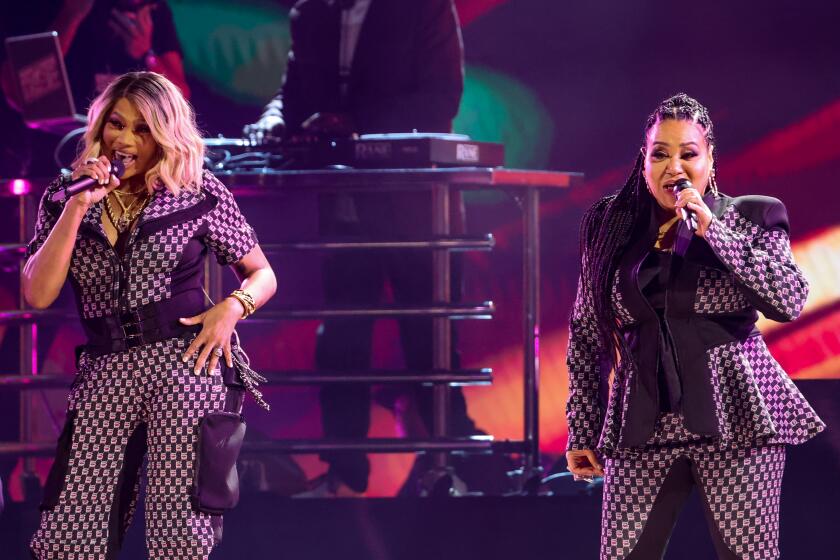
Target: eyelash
x: 142, y: 129
x: 659, y: 155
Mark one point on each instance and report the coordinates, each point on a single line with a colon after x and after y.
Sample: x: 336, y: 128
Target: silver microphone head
x: 117, y: 168
x: 682, y: 184
x: 686, y: 214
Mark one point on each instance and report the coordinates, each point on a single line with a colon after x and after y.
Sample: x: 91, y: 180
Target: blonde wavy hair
x: 171, y: 121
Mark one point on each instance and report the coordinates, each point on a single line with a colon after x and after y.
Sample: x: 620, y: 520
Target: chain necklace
x: 120, y: 194
x: 665, y: 235
x: 127, y: 215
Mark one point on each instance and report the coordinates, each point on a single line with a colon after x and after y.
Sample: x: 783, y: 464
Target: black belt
x: 150, y: 323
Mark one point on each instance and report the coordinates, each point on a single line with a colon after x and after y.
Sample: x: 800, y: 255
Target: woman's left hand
x: 217, y: 323
x: 691, y: 199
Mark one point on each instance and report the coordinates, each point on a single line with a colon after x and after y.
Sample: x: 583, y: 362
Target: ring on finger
x: 92, y: 160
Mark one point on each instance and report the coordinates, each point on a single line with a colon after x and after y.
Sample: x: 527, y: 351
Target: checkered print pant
x: 114, y: 395
x: 741, y: 488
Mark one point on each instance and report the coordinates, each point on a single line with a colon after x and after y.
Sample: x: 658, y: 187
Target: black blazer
x: 407, y: 68
x: 733, y: 389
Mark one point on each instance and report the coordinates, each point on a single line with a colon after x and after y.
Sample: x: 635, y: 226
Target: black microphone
x: 86, y: 183
x: 687, y: 215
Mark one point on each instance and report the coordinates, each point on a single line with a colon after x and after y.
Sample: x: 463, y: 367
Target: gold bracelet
x: 247, y: 301
x: 250, y: 302
x: 246, y: 305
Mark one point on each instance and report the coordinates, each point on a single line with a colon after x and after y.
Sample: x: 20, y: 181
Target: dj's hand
x: 135, y: 30
x: 334, y: 125
x: 268, y: 127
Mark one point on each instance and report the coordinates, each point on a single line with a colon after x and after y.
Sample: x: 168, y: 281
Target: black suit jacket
x: 407, y: 69
x: 733, y: 389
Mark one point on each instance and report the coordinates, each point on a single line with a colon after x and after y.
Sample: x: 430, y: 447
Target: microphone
x: 86, y: 183
x: 687, y: 215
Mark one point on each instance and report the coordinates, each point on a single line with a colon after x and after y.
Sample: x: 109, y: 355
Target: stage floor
x: 480, y: 528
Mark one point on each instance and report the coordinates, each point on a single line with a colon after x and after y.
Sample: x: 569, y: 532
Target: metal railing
x: 525, y: 186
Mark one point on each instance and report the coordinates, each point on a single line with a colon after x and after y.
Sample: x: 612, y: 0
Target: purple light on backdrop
x: 20, y: 187
x: 33, y: 356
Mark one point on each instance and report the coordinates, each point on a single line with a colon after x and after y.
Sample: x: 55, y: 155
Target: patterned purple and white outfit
x: 142, y: 398
x: 738, y: 408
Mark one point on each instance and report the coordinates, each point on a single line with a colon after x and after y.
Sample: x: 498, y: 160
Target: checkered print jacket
x: 732, y: 387
x: 164, y: 255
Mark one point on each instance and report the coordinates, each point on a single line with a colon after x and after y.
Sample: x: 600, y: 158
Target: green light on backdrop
x: 498, y: 108
x: 237, y: 49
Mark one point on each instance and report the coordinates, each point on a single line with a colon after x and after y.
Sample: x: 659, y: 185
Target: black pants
x: 669, y: 502
x: 358, y: 278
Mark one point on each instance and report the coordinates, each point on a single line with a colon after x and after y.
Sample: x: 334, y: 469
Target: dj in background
x: 358, y: 67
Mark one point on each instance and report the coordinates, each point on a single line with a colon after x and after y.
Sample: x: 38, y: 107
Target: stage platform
x: 474, y: 528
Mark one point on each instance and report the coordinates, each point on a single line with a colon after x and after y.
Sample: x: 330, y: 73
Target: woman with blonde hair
x: 134, y: 247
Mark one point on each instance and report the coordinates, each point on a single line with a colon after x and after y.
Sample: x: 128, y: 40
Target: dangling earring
x: 713, y: 183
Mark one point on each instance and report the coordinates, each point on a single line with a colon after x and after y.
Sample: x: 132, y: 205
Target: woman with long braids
x: 134, y: 249
x: 669, y: 305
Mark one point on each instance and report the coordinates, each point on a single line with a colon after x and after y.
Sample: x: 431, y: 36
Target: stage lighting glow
x: 497, y: 107
x: 20, y: 187
x: 818, y: 256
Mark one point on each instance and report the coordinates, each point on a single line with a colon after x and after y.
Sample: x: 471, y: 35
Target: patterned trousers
x: 741, y: 488
x: 118, y: 401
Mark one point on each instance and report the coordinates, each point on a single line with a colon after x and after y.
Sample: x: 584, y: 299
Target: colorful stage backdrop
x: 565, y: 86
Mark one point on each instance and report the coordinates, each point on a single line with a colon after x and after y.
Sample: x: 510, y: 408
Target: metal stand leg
x: 529, y: 477
x: 28, y: 362
x: 441, y: 480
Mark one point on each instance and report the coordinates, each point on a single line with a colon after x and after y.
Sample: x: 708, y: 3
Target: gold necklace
x: 126, y: 216
x: 125, y: 208
x: 664, y: 241
x: 127, y: 193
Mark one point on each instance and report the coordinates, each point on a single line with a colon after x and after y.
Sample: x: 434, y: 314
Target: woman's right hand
x: 584, y: 464
x: 264, y: 130
x: 99, y: 169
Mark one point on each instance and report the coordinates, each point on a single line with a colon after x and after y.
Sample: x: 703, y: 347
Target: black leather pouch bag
x: 220, y: 437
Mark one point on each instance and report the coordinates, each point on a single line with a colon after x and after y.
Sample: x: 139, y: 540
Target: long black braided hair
x: 607, y: 227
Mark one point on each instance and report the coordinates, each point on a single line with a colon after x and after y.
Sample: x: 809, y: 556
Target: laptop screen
x: 43, y: 87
